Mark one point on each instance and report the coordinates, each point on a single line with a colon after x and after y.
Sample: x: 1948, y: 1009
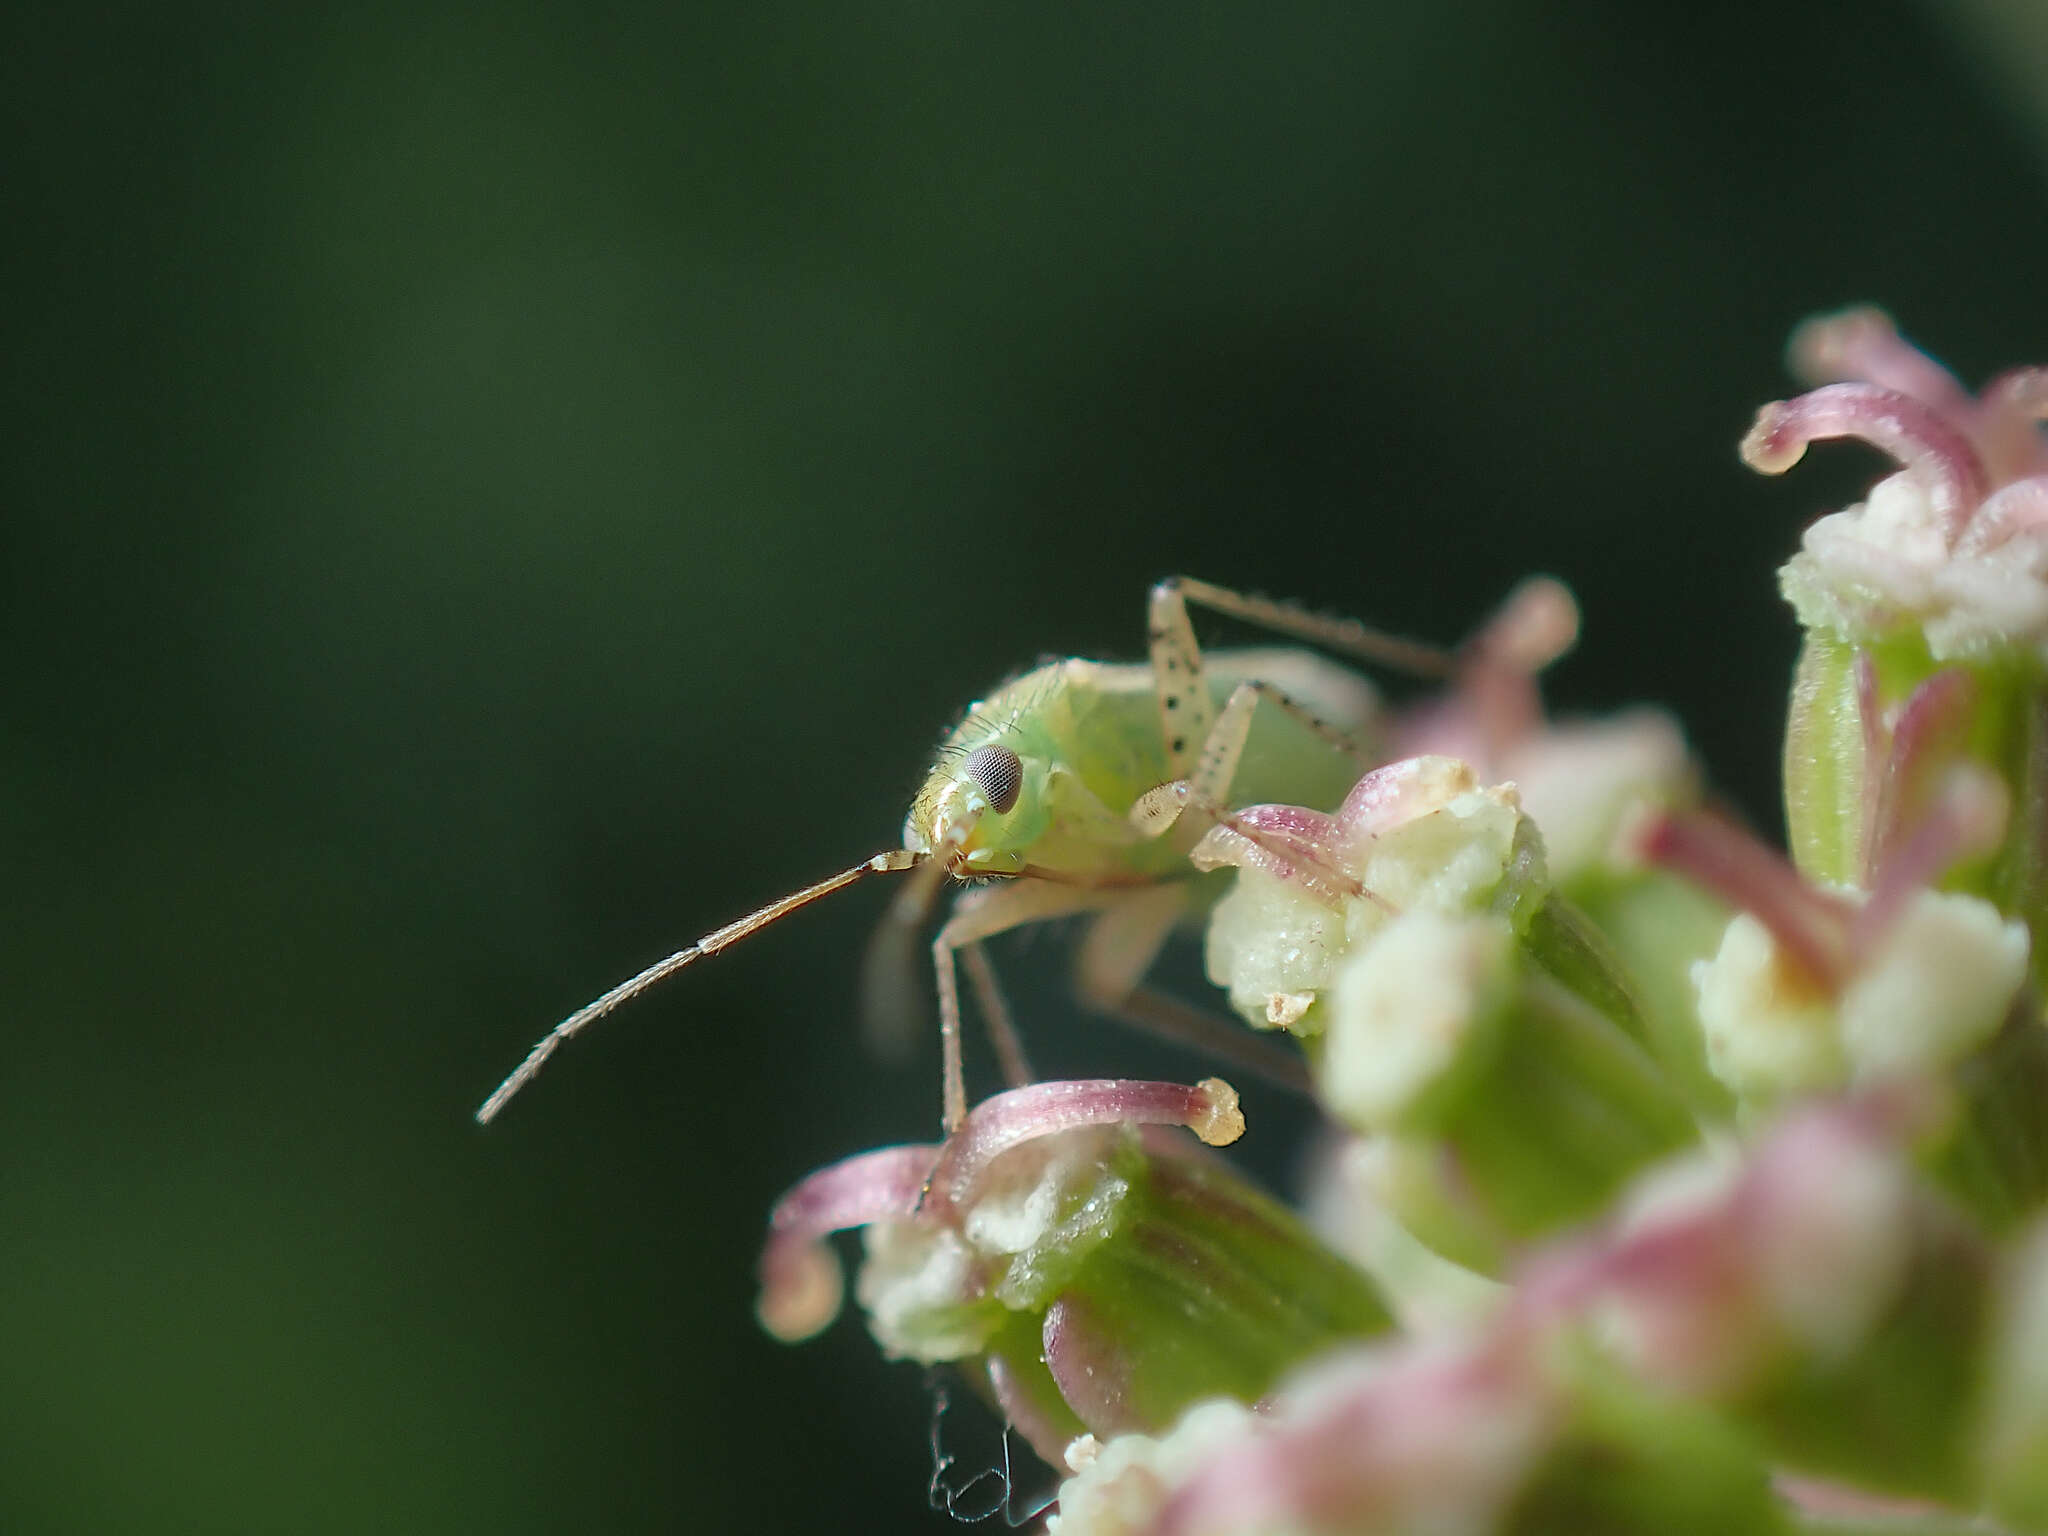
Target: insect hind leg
x: 1120, y: 948
x: 1345, y: 637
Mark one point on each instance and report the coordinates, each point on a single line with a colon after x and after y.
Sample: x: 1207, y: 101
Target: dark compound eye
x: 998, y: 774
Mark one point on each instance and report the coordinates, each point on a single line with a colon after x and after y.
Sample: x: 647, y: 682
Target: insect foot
x: 1062, y: 1237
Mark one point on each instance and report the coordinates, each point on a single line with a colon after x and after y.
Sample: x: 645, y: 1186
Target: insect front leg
x: 983, y: 914
x: 1207, y: 788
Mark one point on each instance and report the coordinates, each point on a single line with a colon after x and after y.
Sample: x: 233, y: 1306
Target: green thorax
x: 1088, y: 737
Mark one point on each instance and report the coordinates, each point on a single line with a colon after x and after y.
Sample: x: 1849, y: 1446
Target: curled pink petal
x: 1862, y: 344
x: 1209, y: 1109
x: 1434, y: 1436
x: 1047, y: 1433
x: 1811, y: 927
x: 2023, y: 391
x: 1967, y: 817
x: 2012, y: 406
x: 1401, y: 791
x: 1924, y: 743
x: 1537, y: 624
x: 800, y: 1279
x: 1287, y: 842
x: 1495, y: 702
x: 1091, y: 1367
x: 1915, y: 434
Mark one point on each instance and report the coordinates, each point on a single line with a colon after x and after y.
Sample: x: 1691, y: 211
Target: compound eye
x: 997, y: 773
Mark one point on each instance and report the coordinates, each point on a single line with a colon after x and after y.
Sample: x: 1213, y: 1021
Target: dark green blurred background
x: 488, y: 496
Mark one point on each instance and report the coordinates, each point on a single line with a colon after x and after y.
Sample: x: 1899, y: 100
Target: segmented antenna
x: 885, y: 863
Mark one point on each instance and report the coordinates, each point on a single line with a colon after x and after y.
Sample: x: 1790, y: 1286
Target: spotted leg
x: 980, y: 915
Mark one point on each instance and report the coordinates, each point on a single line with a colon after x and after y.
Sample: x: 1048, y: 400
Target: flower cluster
x: 1674, y: 1185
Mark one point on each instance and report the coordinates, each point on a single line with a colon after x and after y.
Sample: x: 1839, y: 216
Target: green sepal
x: 1562, y: 940
x: 1209, y: 1290
x: 1824, y: 763
x: 1658, y: 925
x: 1572, y: 1110
x: 1992, y: 1153
x: 2013, y: 1439
x: 1897, y: 1415
x: 1633, y: 1462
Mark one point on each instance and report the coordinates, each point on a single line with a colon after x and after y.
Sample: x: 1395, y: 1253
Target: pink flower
x: 1954, y: 544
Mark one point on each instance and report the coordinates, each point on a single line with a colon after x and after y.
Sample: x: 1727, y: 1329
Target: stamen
x: 801, y: 1284
x: 1209, y: 1109
x: 1811, y: 927
x: 1912, y: 432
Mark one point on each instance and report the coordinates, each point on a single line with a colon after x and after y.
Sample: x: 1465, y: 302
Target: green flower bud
x: 1815, y: 990
x: 1455, y: 1004
x: 1816, y: 1291
x: 2014, y: 1442
x: 1925, y: 609
x: 1088, y: 1277
x: 1505, y: 1433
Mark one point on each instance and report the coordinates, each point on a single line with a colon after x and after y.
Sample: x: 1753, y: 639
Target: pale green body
x: 1089, y: 738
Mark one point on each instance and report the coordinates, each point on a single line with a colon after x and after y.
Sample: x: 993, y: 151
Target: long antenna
x: 885, y: 863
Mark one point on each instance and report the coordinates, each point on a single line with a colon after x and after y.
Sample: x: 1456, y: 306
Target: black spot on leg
x: 1173, y: 701
x: 1180, y: 743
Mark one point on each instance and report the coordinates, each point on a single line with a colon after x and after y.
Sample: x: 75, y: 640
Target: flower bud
x: 1454, y: 1002
x: 1818, y: 989
x: 1816, y: 1290
x: 1090, y: 1275
x: 1493, y: 1434
x: 1925, y: 607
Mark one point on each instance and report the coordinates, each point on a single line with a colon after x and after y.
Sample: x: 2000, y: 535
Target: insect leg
x: 1119, y: 949
x: 988, y: 912
x: 1207, y: 788
x: 1217, y: 768
x: 995, y: 1013
x: 1187, y: 717
x: 1347, y: 637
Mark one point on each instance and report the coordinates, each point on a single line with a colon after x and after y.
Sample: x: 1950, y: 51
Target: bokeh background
x: 492, y: 493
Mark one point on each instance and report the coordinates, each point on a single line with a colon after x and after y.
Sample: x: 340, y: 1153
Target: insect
x: 1047, y: 799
